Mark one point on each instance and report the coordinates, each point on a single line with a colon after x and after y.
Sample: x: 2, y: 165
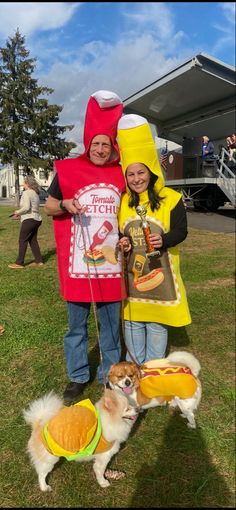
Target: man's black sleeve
x: 54, y: 189
x: 178, y: 226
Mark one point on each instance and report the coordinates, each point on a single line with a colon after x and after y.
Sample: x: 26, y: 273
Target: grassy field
x: 166, y: 464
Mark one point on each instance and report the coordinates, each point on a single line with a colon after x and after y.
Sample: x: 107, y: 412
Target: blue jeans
x: 76, y: 340
x: 145, y: 340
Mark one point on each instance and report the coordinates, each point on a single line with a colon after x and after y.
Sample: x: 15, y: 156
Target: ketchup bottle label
x: 101, y: 234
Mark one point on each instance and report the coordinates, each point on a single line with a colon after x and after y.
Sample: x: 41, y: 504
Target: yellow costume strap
x: 88, y: 449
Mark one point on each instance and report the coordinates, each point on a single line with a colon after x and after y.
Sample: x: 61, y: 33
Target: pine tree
x: 30, y: 136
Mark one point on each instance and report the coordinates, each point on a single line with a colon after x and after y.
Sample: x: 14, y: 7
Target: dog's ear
x: 111, y: 369
x: 137, y: 370
x: 141, y: 370
x: 109, y: 399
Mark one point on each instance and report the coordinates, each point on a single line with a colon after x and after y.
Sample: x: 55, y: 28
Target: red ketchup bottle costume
x: 98, y: 188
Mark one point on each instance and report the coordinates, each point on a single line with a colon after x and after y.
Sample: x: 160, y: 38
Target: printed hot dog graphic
x: 148, y: 281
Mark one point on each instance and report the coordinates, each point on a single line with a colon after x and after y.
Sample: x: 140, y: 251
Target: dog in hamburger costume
x: 156, y: 293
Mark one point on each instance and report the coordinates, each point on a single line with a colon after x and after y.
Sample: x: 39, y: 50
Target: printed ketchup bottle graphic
x: 101, y: 234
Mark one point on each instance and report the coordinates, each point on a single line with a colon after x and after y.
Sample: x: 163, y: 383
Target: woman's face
x: 138, y: 177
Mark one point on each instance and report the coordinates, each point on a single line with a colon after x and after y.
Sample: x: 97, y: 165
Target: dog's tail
x: 43, y: 409
x: 187, y: 359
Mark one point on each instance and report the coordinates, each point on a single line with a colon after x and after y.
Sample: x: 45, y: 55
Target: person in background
x: 156, y: 294
x: 84, y: 199
x: 231, y: 148
x: 30, y: 223
x: 231, y: 145
x: 207, y: 149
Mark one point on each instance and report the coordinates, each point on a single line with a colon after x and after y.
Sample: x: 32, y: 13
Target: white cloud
x: 226, y: 28
x: 152, y: 17
x: 123, y: 68
x: 33, y: 16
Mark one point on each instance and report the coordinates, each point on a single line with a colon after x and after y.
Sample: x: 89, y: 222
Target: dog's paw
x: 191, y: 425
x: 104, y: 483
x: 47, y: 488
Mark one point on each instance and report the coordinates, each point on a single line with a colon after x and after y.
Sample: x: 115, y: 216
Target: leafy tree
x: 30, y: 136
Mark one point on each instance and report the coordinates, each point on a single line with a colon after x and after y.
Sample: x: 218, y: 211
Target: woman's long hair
x: 32, y: 183
x: 153, y: 196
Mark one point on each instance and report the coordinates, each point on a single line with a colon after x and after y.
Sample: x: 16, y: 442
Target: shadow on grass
x: 177, y: 337
x: 49, y: 254
x: 184, y: 474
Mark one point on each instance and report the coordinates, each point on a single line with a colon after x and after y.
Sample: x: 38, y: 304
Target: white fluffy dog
x: 80, y: 432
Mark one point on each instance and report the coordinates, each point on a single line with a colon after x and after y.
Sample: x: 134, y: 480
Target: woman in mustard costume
x: 156, y: 294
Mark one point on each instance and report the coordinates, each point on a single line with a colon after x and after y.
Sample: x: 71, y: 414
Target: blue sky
x: 83, y: 47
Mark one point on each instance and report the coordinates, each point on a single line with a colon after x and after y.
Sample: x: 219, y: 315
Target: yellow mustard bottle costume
x: 162, y: 296
x: 75, y: 432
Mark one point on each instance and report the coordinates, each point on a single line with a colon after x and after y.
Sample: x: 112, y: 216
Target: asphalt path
x: 221, y: 221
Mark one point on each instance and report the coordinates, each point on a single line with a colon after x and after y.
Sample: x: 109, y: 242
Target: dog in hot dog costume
x: 173, y: 380
x: 154, y: 285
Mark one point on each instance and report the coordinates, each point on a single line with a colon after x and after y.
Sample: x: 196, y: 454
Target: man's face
x: 100, y: 150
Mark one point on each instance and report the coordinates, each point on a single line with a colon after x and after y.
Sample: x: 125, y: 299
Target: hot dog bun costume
x: 98, y: 188
x: 154, y: 285
x: 168, y: 382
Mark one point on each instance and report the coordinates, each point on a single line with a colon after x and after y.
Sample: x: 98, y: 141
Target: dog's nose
x: 127, y: 382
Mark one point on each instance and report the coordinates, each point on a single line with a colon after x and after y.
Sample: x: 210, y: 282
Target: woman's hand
x: 125, y: 243
x: 156, y: 240
x: 15, y: 216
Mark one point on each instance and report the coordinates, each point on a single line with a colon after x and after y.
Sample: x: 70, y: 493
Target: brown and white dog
x: 173, y: 380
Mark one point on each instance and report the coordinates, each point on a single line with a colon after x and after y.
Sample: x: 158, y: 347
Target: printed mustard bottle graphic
x: 138, y: 266
x: 101, y: 234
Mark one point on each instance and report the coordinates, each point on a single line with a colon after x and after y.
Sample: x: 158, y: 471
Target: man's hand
x: 73, y: 206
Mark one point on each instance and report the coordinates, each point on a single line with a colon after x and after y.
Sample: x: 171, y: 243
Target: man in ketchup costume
x: 84, y: 199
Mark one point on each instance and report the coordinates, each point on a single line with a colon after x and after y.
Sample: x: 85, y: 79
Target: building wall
x: 7, y: 180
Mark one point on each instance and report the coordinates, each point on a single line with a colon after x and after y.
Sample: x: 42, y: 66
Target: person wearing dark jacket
x: 207, y: 148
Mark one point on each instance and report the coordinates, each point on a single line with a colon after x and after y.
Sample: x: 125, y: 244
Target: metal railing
x: 226, y: 175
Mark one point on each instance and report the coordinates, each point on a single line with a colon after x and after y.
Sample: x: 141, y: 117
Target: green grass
x: 166, y: 464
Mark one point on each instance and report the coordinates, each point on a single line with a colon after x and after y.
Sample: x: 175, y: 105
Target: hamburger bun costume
x: 75, y: 432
